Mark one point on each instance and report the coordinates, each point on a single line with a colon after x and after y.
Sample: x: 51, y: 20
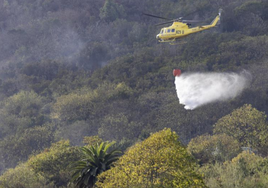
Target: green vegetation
x: 96, y: 160
x: 247, y: 125
x: 246, y: 170
x: 158, y: 161
x: 216, y: 148
x: 78, y: 73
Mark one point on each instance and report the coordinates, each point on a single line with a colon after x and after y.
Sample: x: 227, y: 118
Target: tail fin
x: 220, y: 11
x: 217, y: 19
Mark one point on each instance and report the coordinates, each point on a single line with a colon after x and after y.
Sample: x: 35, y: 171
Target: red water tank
x: 176, y: 72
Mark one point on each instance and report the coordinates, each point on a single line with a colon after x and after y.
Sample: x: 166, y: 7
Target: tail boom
x: 212, y: 24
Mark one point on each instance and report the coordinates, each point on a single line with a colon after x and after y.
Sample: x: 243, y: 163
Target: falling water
x: 197, y: 89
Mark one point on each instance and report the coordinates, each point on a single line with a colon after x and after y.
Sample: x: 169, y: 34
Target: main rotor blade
x: 157, y: 16
x: 191, y: 13
x: 164, y: 23
x: 192, y: 21
x: 197, y: 10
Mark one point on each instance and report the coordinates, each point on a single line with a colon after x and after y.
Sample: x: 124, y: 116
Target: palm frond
x: 96, y: 159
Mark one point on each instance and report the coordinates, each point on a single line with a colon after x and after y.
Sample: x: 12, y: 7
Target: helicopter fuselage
x: 179, y: 30
x: 176, y: 30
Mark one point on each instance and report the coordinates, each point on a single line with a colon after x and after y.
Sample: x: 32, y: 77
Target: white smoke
x: 197, y: 89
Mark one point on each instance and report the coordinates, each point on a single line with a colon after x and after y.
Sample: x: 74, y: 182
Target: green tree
x: 54, y: 163
x: 158, y: 161
x: 96, y: 159
x: 22, y: 176
x: 20, y: 111
x: 207, y: 148
x: 87, y: 103
x: 75, y: 106
x: 111, y: 11
x: 119, y: 126
x: 92, y: 140
x: 247, y: 170
x: 247, y: 125
x: 17, y: 148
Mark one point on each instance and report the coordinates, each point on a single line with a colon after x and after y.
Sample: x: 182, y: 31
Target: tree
x: 19, y: 147
x: 87, y: 103
x: 119, y: 126
x: 21, y: 111
x: 247, y: 125
x: 96, y: 159
x: 220, y: 148
x: 111, y: 11
x: 54, y: 163
x: 75, y: 106
x: 92, y: 140
x: 246, y: 170
x: 22, y: 176
x: 159, y: 161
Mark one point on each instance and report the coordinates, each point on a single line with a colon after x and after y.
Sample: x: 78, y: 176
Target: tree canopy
x: 247, y: 125
x: 159, y: 161
x: 75, y: 69
x: 96, y: 160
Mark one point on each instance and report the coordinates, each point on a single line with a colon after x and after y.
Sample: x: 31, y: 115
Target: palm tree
x: 96, y: 160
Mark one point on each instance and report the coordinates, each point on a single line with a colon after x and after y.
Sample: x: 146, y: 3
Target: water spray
x: 197, y: 89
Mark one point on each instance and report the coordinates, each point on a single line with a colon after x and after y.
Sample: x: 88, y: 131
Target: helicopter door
x: 180, y: 31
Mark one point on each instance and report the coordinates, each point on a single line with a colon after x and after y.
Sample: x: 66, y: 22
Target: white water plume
x: 197, y: 89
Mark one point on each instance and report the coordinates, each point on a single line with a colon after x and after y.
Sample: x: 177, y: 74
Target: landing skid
x: 178, y: 42
x: 174, y: 41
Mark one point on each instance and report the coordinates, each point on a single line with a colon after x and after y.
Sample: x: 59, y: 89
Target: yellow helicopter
x: 180, y: 28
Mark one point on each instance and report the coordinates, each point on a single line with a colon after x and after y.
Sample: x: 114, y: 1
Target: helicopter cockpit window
x: 173, y: 30
x: 168, y: 30
x: 162, y: 31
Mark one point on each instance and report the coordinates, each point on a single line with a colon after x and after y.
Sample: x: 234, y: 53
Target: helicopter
x: 181, y: 28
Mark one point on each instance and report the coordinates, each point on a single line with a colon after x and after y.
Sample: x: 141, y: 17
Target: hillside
x: 71, y: 70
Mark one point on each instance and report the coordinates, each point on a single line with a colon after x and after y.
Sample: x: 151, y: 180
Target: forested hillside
x: 75, y: 73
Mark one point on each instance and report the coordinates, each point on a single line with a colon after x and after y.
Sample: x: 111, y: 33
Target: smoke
x: 197, y: 89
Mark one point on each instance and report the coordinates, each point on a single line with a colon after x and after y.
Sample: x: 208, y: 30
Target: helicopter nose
x: 157, y: 36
